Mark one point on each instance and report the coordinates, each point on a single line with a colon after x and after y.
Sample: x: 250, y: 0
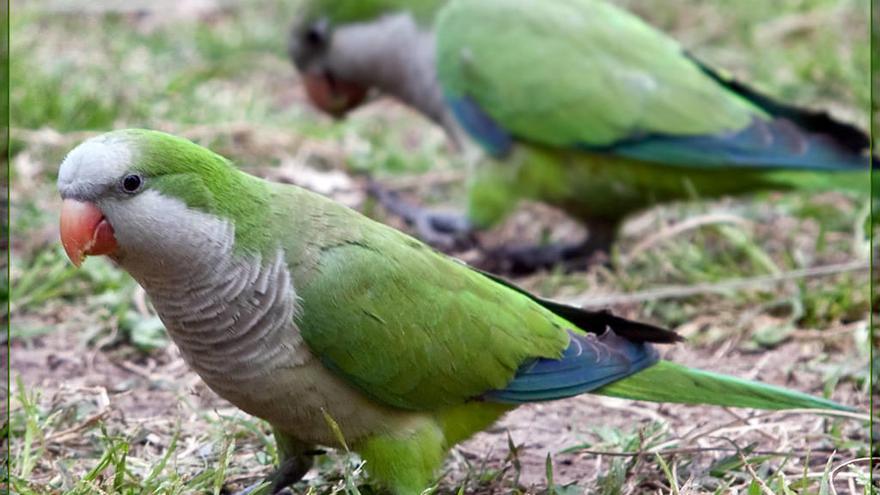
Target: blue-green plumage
x: 792, y: 138
x: 584, y: 106
x: 315, y: 313
x: 496, y: 140
x: 589, y: 362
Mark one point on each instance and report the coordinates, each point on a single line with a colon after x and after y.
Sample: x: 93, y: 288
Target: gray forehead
x: 353, y: 39
x: 94, y: 164
x: 396, y: 27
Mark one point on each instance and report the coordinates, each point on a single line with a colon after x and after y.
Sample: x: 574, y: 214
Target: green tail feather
x: 857, y: 182
x: 670, y: 382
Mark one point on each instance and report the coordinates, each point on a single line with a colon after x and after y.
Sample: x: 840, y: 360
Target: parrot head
x: 148, y: 200
x: 310, y: 50
x: 344, y: 48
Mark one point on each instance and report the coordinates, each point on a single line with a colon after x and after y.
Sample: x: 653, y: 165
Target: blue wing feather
x: 491, y: 136
x: 589, y: 362
x: 775, y: 144
x: 795, y: 139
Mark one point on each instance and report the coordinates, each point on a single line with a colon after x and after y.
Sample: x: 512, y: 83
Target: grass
x: 102, y: 403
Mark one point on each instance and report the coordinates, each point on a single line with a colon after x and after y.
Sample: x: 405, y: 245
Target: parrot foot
x: 525, y: 260
x: 289, y: 472
x: 251, y: 489
x: 446, y: 231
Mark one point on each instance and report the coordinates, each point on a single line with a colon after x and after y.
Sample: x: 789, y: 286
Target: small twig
x: 680, y: 292
x: 746, y: 424
x: 682, y: 227
x: 730, y: 426
x: 845, y: 476
x: 694, y: 450
x: 613, y: 403
x: 827, y: 334
x: 822, y: 412
x: 757, y: 428
x: 843, y: 465
x: 62, y: 436
x: 133, y: 368
x: 764, y: 488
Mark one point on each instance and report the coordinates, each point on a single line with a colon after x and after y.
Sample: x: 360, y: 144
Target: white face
x: 95, y: 166
x: 154, y: 232
x: 158, y: 233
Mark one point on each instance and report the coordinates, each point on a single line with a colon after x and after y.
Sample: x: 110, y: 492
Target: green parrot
x: 295, y: 308
x: 577, y: 103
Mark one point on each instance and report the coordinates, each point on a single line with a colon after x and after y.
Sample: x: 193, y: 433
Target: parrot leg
x: 524, y: 260
x: 289, y: 472
x: 451, y: 232
x: 443, y: 230
x: 296, y: 460
x: 404, y: 462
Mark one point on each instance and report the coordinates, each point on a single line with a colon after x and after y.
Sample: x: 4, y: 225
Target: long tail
x: 858, y: 182
x: 824, y: 142
x: 670, y: 382
x: 795, y: 148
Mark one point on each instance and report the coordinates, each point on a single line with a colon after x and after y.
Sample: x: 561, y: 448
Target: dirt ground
x: 149, y: 397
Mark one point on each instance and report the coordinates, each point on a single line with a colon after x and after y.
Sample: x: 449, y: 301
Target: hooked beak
x: 334, y: 96
x: 85, y: 231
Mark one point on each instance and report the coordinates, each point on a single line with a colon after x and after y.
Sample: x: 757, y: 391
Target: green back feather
x: 405, y: 324
x: 578, y: 72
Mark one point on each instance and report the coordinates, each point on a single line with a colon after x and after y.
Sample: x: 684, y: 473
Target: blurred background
x: 102, y: 402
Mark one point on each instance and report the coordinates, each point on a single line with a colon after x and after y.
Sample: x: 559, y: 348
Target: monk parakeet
x: 296, y: 308
x: 578, y: 104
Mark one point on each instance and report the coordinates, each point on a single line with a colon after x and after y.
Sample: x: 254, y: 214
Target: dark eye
x: 131, y: 183
x: 316, y: 34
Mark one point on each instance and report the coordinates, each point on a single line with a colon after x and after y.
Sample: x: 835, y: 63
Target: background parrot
x: 295, y: 309
x: 579, y: 103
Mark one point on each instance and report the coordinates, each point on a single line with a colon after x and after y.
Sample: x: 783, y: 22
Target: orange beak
x: 85, y: 231
x: 334, y: 96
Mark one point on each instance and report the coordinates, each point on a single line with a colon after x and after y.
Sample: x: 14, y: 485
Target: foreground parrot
x: 296, y: 308
x: 579, y: 104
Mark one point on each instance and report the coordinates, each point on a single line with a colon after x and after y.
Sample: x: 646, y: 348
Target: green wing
x: 409, y: 327
x: 417, y: 330
x: 572, y: 73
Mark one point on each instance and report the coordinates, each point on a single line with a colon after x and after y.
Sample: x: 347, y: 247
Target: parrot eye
x: 316, y: 34
x: 131, y: 183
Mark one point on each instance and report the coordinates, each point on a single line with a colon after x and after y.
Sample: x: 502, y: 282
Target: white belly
x: 294, y: 399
